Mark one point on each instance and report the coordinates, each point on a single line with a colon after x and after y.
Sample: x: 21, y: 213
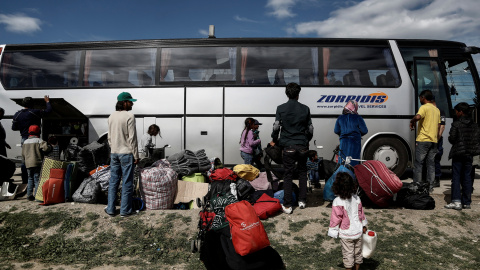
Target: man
x: 122, y: 137
x: 428, y: 118
x: 26, y: 117
x: 3, y: 136
x: 438, y: 156
x: 294, y: 124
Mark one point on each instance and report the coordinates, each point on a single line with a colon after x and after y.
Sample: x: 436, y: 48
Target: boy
x: 312, y: 167
x: 32, y: 154
x: 464, y: 137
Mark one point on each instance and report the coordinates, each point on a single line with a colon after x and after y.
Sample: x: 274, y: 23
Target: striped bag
x: 48, y: 163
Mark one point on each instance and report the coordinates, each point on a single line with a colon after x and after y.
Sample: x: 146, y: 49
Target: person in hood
x: 464, y: 137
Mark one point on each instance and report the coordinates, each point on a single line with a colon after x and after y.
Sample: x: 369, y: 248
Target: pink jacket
x: 249, y: 143
x: 347, y: 219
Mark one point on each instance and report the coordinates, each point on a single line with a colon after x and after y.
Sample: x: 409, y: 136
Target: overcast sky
x: 33, y: 21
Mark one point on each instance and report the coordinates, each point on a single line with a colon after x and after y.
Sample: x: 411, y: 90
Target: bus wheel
x: 391, y: 152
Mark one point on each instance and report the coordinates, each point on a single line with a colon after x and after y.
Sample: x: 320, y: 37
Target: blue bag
x: 328, y: 194
x: 279, y: 195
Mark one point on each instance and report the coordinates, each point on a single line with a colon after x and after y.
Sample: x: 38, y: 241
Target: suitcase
x: 377, y: 181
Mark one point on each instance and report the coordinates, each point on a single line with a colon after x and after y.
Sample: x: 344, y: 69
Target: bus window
x: 120, y: 67
x: 279, y: 65
x: 40, y: 69
x: 460, y: 81
x: 359, y: 66
x: 198, y: 64
x: 430, y: 78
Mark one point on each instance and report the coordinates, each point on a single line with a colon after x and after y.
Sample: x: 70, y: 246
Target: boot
x: 436, y: 183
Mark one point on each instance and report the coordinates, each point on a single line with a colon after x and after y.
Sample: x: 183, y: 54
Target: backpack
x: 246, y: 171
x: 53, y: 189
x: 248, y: 233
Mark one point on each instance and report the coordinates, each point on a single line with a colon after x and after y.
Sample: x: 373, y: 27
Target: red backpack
x: 53, y: 189
x: 248, y: 233
x: 223, y: 174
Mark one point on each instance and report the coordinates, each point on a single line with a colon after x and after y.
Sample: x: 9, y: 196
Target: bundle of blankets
x: 188, y: 162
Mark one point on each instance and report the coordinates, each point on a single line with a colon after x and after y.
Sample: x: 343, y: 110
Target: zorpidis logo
x: 373, y: 100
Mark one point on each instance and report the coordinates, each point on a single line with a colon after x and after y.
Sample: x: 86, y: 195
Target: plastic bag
x: 328, y: 194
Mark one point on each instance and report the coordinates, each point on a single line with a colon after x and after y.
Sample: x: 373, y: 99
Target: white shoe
x: 302, y: 205
x: 454, y: 205
x: 287, y: 210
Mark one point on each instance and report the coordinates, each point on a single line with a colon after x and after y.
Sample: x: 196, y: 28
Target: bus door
x: 429, y: 74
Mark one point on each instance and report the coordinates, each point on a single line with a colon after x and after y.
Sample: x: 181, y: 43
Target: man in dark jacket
x: 464, y: 137
x: 26, y: 117
x: 3, y: 137
x: 294, y: 124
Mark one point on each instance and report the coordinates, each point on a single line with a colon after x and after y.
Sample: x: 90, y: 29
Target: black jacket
x: 293, y: 122
x: 464, y: 137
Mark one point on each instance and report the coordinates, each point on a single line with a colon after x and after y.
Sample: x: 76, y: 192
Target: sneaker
x: 287, y: 210
x: 128, y: 215
x: 467, y: 206
x: 302, y: 205
x: 454, y: 205
x: 105, y: 209
x: 31, y: 198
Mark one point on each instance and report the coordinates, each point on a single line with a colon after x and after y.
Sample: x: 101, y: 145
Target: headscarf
x: 351, y: 107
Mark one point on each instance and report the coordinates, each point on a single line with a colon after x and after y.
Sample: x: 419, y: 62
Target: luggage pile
x: 231, y: 234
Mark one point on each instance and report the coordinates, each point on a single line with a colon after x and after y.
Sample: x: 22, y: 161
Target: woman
x: 248, y: 141
x: 147, y: 138
x: 350, y: 127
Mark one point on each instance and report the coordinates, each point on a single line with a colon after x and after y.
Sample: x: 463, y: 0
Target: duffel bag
x: 248, y: 233
x: 223, y: 174
x: 267, y: 206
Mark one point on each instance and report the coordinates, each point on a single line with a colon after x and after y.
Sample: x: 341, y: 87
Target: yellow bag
x: 246, y: 171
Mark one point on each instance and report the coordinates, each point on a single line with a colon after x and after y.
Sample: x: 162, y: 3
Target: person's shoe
x: 467, y: 206
x: 302, y: 205
x: 317, y: 185
x: 128, y: 215
x: 436, y: 183
x: 105, y: 209
x: 31, y: 198
x: 454, y: 205
x: 287, y: 210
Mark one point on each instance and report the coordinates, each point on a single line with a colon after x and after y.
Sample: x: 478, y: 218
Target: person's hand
x: 272, y: 143
x: 8, y: 146
x: 412, y: 125
x: 46, y: 98
x: 135, y: 161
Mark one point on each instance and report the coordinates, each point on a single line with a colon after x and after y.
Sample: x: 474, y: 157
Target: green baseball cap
x: 125, y: 96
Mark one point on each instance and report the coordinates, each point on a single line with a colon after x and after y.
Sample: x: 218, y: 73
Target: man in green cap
x: 122, y: 137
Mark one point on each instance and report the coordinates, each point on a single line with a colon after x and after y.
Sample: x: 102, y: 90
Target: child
x: 312, y: 167
x: 32, y: 155
x: 464, y: 137
x: 248, y: 141
x: 348, y: 220
x: 55, y: 153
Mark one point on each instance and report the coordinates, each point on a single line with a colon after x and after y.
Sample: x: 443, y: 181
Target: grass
x: 165, y: 241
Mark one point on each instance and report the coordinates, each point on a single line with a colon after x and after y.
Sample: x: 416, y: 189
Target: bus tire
x: 391, y: 152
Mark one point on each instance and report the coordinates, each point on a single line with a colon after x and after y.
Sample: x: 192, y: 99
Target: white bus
x: 199, y: 91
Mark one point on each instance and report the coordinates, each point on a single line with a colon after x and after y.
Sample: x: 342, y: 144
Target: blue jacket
x: 24, y: 118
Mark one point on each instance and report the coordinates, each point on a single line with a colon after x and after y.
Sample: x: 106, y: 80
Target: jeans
x: 438, y: 158
x: 314, y: 176
x: 33, y: 180
x: 247, y: 158
x: 425, y: 153
x: 23, y: 168
x: 121, y: 168
x: 461, y: 179
x: 291, y: 155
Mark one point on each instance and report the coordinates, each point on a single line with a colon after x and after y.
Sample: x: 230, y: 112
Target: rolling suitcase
x: 377, y: 181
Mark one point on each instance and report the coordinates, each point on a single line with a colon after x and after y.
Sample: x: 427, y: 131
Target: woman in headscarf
x: 350, y: 127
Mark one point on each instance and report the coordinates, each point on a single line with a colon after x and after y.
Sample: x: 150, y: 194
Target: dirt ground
x: 316, y: 217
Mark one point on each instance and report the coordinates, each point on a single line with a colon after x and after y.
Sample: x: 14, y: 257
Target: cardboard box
x: 190, y: 191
